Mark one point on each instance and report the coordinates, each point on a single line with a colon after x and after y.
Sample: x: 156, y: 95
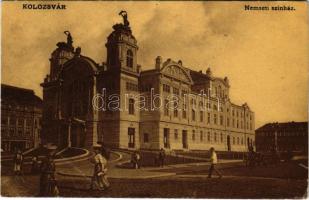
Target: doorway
x: 228, y: 141
x: 166, y: 138
x: 131, y: 137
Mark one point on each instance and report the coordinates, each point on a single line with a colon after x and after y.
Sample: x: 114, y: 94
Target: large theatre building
x: 169, y: 106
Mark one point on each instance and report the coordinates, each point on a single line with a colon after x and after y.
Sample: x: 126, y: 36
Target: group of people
x: 48, y: 183
x: 19, y: 161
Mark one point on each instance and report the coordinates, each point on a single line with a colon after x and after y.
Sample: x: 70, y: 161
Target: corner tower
x: 122, y: 47
x: 120, y: 125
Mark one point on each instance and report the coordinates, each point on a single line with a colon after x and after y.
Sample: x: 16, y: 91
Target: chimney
x: 158, y: 62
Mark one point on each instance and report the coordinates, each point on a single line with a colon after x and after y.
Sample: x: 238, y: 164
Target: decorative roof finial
x: 208, y: 72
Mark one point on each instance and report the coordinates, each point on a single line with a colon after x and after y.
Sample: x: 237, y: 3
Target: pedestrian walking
x: 35, y: 165
x: 213, y: 162
x: 48, y: 182
x: 99, y: 180
x: 135, y: 160
x: 161, y: 157
x: 105, y: 151
x: 18, y: 162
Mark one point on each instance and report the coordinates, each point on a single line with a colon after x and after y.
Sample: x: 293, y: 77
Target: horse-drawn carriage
x: 261, y: 158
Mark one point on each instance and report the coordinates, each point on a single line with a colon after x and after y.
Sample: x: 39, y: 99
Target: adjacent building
x: 21, y: 114
x: 169, y: 106
x: 287, y: 136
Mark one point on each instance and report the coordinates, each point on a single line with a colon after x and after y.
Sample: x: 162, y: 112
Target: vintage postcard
x: 154, y: 99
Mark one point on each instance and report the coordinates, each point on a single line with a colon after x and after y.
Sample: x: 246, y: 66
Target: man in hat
x: 48, y: 183
x: 213, y: 162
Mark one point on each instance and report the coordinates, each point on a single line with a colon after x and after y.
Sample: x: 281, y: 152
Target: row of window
x: 215, y: 120
x: 131, y: 86
x: 13, y: 121
x: 11, y: 132
x: 215, y: 107
x: 203, y: 137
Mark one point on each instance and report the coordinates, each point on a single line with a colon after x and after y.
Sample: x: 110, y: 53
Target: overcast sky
x: 264, y: 53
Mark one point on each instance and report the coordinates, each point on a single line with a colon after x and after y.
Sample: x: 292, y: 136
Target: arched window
x: 129, y: 58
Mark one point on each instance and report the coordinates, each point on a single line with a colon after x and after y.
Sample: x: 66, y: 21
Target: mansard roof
x: 19, y: 96
x: 285, y: 126
x: 199, y: 77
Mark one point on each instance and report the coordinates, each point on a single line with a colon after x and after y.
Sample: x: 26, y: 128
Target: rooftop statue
x: 124, y: 15
x: 69, y: 38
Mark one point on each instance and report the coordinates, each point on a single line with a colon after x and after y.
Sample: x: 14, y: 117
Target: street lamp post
x: 69, y: 133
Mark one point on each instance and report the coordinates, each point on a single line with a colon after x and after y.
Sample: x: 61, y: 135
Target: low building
x: 288, y: 136
x: 21, y: 113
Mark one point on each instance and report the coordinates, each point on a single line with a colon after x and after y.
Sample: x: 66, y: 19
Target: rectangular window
x: 193, y: 115
x: 4, y: 121
x: 193, y: 135
x: 12, y: 131
x: 146, y: 137
x: 166, y: 88
x: 166, y: 136
x: 20, y: 122
x: 131, y: 106
x: 20, y: 132
x: 175, y: 109
x: 184, y: 114
x: 215, y: 119
x: 201, y: 136
x: 176, y: 134
x: 12, y: 121
x: 208, y: 118
x: 221, y: 120
x: 228, y: 122
x: 176, y: 91
x: 166, y: 109
x: 221, y: 137
x: 28, y: 122
x: 208, y: 137
x: 201, y: 116
x: 215, y: 137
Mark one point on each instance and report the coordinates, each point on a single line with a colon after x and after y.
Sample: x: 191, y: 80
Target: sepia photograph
x: 154, y: 99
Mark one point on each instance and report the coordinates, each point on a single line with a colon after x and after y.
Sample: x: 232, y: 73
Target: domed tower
x: 121, y: 78
x: 122, y: 47
x: 63, y: 53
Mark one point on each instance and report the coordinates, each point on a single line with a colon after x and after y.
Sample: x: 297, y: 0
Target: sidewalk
x: 85, y: 169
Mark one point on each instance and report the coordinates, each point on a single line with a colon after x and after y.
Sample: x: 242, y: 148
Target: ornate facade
x: 21, y: 114
x: 195, y: 112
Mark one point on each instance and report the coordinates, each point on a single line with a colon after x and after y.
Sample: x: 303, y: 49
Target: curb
x: 118, y: 177
x: 74, y: 157
x: 116, y: 160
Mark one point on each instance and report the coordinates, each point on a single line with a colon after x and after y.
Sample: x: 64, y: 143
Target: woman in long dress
x: 99, y: 180
x: 18, y: 161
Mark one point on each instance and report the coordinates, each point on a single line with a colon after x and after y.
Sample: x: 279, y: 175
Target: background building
x: 21, y: 113
x: 288, y: 136
x: 199, y: 122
